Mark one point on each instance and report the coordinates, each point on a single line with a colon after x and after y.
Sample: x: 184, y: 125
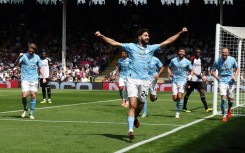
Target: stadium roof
x: 125, y: 2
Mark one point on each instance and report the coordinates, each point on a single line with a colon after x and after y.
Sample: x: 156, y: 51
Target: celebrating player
x: 227, y: 73
x: 123, y: 66
x: 155, y: 70
x: 177, y: 69
x: 140, y: 55
x: 30, y: 62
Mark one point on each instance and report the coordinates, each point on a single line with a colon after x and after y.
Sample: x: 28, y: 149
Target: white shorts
x: 138, y: 88
x: 226, y: 89
x: 153, y: 86
x: 178, y: 87
x: 29, y: 86
x: 122, y: 82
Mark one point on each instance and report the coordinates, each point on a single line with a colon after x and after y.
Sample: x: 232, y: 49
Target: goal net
x: 234, y: 39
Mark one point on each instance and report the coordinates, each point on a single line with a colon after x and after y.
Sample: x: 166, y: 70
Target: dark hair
x: 141, y: 31
x: 125, y: 51
x: 182, y: 48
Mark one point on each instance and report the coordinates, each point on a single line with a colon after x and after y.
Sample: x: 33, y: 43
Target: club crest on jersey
x: 142, y: 51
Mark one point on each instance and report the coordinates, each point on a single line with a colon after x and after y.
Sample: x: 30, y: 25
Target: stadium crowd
x: 86, y: 55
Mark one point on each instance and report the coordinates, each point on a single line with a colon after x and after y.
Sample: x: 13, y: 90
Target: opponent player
x: 46, y: 64
x: 196, y: 81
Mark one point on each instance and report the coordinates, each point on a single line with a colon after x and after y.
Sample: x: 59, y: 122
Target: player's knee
x: 202, y: 93
x: 24, y: 95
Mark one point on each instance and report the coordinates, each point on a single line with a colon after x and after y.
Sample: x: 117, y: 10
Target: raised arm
x: 17, y: 63
x: 108, y: 40
x: 173, y: 38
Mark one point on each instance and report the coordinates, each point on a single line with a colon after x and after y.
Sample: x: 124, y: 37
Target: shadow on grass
x: 12, y: 116
x: 210, y: 136
x: 119, y: 137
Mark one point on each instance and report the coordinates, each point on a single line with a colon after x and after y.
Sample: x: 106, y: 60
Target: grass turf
x: 93, y: 121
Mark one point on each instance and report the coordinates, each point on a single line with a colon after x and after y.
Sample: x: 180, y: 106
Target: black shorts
x: 47, y: 84
x: 194, y: 85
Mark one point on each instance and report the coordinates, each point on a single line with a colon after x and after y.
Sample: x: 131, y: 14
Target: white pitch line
x: 88, y: 122
x: 162, y: 135
x: 63, y: 106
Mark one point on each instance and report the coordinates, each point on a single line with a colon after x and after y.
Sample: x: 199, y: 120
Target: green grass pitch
x: 81, y: 121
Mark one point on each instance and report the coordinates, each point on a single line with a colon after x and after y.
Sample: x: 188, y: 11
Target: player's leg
x: 33, y: 89
x: 25, y: 89
x: 179, y: 103
x: 121, y: 91
x: 42, y: 85
x: 143, y: 90
x: 174, y: 92
x: 189, y: 89
x: 201, y: 91
x: 48, y: 91
x: 223, y: 92
x: 175, y: 96
x: 230, y: 99
x: 127, y: 100
x: 144, y: 109
x: 132, y: 95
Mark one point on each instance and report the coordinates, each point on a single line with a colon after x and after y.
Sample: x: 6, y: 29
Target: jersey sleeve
x: 126, y: 47
x: 214, y: 66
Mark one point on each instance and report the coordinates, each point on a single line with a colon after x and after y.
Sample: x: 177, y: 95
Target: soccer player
x: 228, y: 71
x: 196, y: 81
x: 30, y: 63
x: 140, y: 54
x: 122, y: 72
x: 177, y: 69
x: 46, y: 64
x: 155, y: 70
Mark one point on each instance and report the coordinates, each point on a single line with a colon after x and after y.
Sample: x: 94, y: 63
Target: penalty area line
x: 161, y: 135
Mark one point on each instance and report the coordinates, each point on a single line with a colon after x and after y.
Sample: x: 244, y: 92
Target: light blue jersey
x: 225, y: 69
x: 29, y: 67
x: 154, y: 66
x: 124, y: 67
x: 179, y: 69
x: 140, y: 57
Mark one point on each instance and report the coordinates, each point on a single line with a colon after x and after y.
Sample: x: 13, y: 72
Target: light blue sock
x: 230, y: 103
x: 223, y: 106
x: 24, y: 102
x: 32, y: 105
x: 130, y: 123
x: 145, y: 107
x: 121, y: 92
x: 179, y: 104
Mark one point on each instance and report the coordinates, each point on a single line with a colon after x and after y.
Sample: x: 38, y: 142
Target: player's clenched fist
x: 97, y: 33
x: 21, y: 54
